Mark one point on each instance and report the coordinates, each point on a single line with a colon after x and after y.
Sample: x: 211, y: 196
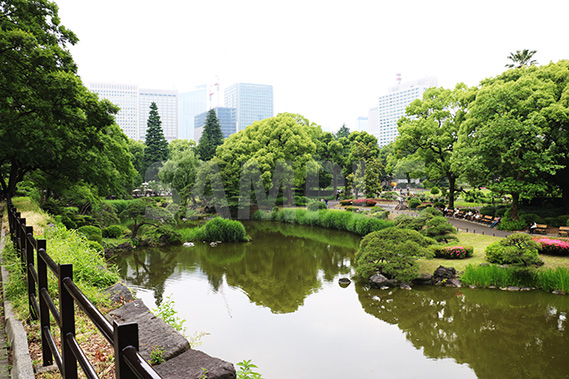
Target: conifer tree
x: 211, y: 137
x: 156, y: 149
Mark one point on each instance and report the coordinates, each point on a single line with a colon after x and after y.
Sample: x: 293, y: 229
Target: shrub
x: 414, y: 203
x: 440, y: 229
x: 511, y: 224
x: 221, y: 229
x: 365, y: 225
x: 352, y: 209
x: 346, y: 202
x: 300, y: 201
x: 92, y: 233
x: 113, y: 231
x: 439, y: 204
x: 516, y: 249
x: 553, y: 246
x: 453, y: 252
x: 164, y: 235
x: 392, y: 252
x: 435, y: 191
x: 316, y: 205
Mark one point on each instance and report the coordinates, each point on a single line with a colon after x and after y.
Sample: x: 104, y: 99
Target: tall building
x: 167, y: 103
x: 227, y: 121
x: 361, y: 124
x: 126, y: 97
x: 190, y: 104
x: 252, y: 102
x: 392, y: 107
x: 373, y: 121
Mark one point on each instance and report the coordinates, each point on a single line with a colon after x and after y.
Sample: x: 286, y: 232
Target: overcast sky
x: 327, y: 60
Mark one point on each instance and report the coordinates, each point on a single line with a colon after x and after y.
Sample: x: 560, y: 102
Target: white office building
x: 252, y: 102
x: 361, y: 124
x: 126, y: 97
x: 392, y: 107
x: 167, y: 103
x: 190, y: 104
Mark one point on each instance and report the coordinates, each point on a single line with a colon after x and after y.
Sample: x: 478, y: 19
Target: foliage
x: 211, y: 138
x: 346, y: 202
x: 157, y: 356
x: 344, y: 132
x: 145, y: 212
x: 431, y: 129
x: 364, y: 202
x: 516, y: 249
x: 453, y: 252
x: 392, y: 252
x: 552, y: 246
x: 167, y: 313
x: 439, y: 229
x: 224, y: 230
x: 105, y: 214
x: 521, y: 58
x: 92, y: 233
x: 316, y: 206
x: 435, y: 191
x: 507, y: 223
x: 164, y: 235
x: 414, y: 203
x: 180, y: 172
x: 545, y: 279
x: 246, y: 370
x: 156, y: 146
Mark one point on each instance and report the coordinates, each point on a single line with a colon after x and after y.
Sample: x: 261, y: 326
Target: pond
x: 277, y: 301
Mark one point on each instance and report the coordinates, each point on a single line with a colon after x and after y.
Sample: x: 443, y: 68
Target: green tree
x: 50, y: 121
x: 521, y: 58
x: 343, y: 132
x: 144, y: 212
x: 156, y: 149
x: 180, y: 170
x: 211, y: 138
x: 136, y: 150
x: 516, y: 133
x: 363, y: 156
x: 431, y: 129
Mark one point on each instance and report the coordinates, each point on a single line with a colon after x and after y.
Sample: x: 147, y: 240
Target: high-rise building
x: 361, y: 124
x: 167, y: 103
x: 126, y: 97
x: 373, y: 121
x: 392, y: 107
x: 190, y: 104
x: 252, y: 102
x: 227, y: 121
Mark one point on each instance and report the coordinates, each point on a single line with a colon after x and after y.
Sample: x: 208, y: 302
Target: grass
x: 33, y: 214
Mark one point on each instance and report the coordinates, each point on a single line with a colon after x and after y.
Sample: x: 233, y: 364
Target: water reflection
x: 499, y: 334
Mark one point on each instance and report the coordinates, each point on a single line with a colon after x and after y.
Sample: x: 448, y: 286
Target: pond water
x: 277, y: 301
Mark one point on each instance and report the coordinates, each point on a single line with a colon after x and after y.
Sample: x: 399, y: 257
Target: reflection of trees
x: 498, y: 334
x: 150, y: 269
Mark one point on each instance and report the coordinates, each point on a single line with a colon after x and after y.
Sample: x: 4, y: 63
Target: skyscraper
x: 252, y: 102
x: 392, y: 107
x: 167, y: 102
x: 227, y: 121
x: 126, y: 97
x: 190, y: 104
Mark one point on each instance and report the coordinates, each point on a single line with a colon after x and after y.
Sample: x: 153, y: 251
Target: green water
x: 277, y: 301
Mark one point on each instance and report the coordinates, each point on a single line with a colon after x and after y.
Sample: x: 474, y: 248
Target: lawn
x: 479, y: 242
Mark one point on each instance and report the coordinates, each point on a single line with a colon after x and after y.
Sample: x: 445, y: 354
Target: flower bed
x: 346, y: 202
x: 553, y: 246
x: 453, y: 252
x: 364, y: 202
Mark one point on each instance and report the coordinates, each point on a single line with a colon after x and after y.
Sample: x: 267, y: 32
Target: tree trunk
x: 565, y: 199
x: 514, y: 209
x: 451, y: 189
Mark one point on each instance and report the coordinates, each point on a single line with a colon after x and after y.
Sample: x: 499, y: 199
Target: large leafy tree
x: 156, y: 149
x: 431, y: 129
x: 211, y: 137
x: 516, y: 137
x: 521, y: 58
x: 344, y: 131
x: 180, y: 170
x: 50, y: 121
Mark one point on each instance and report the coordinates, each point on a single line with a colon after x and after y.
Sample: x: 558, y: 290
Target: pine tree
x: 211, y: 137
x: 156, y: 149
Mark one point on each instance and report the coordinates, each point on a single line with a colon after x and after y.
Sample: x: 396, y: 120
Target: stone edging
x: 22, y: 367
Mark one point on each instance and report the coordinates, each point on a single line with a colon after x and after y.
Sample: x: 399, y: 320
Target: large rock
x: 191, y: 365
x: 442, y: 274
x: 379, y: 281
x: 153, y: 332
x: 119, y: 293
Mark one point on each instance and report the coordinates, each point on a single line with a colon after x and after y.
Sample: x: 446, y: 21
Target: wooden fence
x: 124, y: 338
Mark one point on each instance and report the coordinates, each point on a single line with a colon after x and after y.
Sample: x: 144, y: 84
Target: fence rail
x: 124, y: 338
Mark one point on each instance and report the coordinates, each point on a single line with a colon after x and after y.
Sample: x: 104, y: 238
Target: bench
x: 564, y: 231
x: 541, y: 229
x: 459, y: 215
x: 487, y: 219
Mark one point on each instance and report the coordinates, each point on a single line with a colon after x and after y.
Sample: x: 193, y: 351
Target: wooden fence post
x: 44, y: 310
x: 29, y: 267
x: 124, y: 335
x: 67, y: 314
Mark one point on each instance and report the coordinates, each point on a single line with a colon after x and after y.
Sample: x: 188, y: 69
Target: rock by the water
x: 444, y: 273
x: 558, y: 292
x: 344, y: 282
x: 378, y: 281
x: 188, y: 244
x: 405, y: 286
x: 152, y: 331
x: 453, y: 282
x: 119, y: 293
x: 424, y: 279
x: 513, y: 288
x: 190, y: 365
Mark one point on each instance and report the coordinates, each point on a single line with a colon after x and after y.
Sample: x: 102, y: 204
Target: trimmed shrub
x: 552, y: 246
x: 414, y: 203
x: 316, y: 205
x: 346, y: 202
x: 435, y: 191
x: 453, y: 252
x: 221, y: 229
x: 92, y: 233
x: 512, y: 225
x: 113, y: 231
x: 516, y: 249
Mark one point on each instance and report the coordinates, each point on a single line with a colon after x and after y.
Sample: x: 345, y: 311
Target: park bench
x: 487, y: 219
x: 459, y: 215
x: 564, y: 231
x: 541, y: 229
